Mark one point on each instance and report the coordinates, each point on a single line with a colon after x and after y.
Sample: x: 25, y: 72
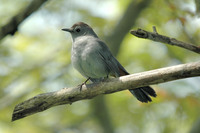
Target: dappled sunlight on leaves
x: 37, y: 60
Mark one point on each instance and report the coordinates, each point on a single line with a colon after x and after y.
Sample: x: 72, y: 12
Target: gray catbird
x: 93, y: 59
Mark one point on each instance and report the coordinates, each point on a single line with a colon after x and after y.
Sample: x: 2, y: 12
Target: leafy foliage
x: 37, y: 59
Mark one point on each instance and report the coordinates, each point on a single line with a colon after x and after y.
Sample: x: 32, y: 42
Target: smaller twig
x: 154, y: 29
x: 164, y: 39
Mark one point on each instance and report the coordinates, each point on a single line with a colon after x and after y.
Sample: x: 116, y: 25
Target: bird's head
x: 80, y: 29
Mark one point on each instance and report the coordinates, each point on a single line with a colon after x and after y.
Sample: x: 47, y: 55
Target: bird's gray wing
x: 115, y: 68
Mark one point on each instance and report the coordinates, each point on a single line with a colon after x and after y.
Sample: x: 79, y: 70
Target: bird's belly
x: 89, y: 65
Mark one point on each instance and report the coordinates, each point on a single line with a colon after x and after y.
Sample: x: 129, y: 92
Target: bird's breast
x: 79, y: 52
x: 86, y: 59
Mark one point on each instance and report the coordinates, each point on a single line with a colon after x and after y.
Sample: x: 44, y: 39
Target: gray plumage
x: 93, y: 59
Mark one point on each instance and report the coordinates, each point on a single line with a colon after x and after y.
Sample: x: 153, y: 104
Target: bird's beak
x: 67, y: 29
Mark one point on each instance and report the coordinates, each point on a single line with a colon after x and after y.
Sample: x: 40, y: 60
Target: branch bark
x: 161, y: 38
x: 69, y: 95
x: 12, y: 26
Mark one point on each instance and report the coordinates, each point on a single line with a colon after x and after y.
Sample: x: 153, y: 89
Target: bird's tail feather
x: 143, y: 93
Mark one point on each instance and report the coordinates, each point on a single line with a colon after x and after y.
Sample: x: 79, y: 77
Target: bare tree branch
x: 69, y: 95
x: 161, y: 38
x: 12, y: 26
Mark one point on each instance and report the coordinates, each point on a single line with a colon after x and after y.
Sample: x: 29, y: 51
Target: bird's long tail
x: 142, y: 93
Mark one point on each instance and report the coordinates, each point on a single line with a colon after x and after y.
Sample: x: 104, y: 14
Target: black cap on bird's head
x: 80, y: 29
x: 79, y: 24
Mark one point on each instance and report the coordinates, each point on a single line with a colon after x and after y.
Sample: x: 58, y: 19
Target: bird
x: 93, y: 59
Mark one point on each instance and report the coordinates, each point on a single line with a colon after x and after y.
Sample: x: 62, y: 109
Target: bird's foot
x: 81, y: 85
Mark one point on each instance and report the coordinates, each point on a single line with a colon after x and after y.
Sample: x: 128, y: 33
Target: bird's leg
x: 86, y: 80
x: 105, y: 78
x: 84, y: 83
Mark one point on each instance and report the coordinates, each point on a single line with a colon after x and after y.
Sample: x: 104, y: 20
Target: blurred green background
x: 36, y: 59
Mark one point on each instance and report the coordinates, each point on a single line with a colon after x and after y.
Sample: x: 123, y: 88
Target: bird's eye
x: 78, y: 30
